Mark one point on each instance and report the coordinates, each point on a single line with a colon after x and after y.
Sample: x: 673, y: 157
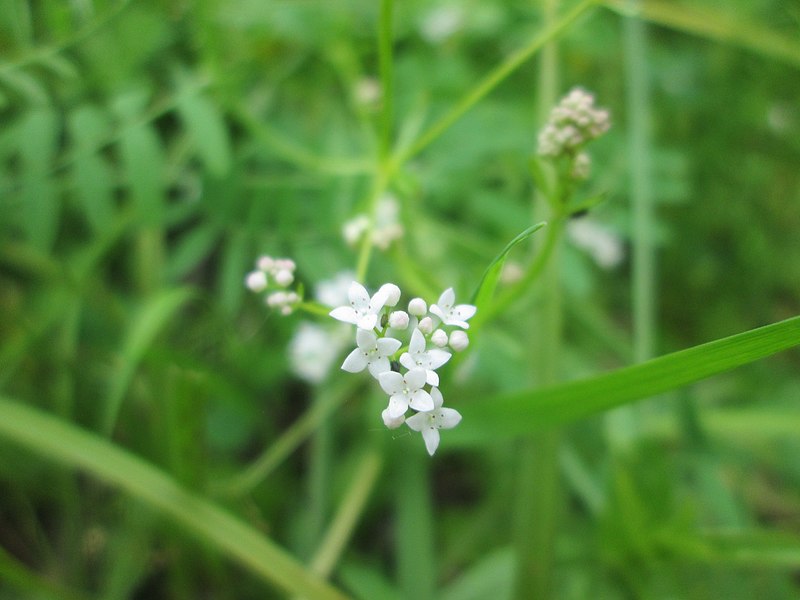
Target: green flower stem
x: 282, y: 448
x: 386, y: 60
x: 495, y: 78
x: 536, y: 513
x: 346, y: 518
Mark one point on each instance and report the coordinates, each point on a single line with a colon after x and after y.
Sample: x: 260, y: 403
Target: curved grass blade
x: 63, y: 442
x: 522, y: 412
x: 483, y: 293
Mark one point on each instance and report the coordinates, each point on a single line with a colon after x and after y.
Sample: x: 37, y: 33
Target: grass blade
x: 529, y: 410
x: 53, y: 438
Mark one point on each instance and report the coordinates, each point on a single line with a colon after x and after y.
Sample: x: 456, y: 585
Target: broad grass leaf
x: 525, y: 411
x: 190, y: 250
x: 63, y: 442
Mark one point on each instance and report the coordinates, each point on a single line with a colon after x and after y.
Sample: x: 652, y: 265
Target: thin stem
x: 350, y: 509
x: 494, y: 78
x: 386, y: 60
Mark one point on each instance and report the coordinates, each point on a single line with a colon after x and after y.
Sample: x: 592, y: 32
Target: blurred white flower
x: 367, y: 92
x: 333, y: 291
x: 572, y: 123
x: 387, y: 227
x: 313, y: 350
x: 603, y: 245
x: 441, y: 23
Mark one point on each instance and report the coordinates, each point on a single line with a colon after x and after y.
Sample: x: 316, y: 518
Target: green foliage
x: 150, y: 151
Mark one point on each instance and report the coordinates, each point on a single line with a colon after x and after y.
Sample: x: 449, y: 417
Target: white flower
x: 417, y: 307
x: 312, y: 351
x: 602, y: 244
x: 439, y: 337
x: 371, y: 353
x: 392, y: 422
x: 333, y: 292
x: 284, y: 277
x: 419, y: 358
x: 430, y: 422
x: 405, y: 391
x: 398, y: 319
x: 363, y: 310
x: 392, y: 293
x: 459, y: 340
x: 265, y: 263
x: 450, y: 314
x: 353, y: 229
x: 256, y: 281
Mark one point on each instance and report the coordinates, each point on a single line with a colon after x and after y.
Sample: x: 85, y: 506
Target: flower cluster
x: 572, y: 124
x: 407, y: 374
x: 272, y: 273
x: 387, y: 225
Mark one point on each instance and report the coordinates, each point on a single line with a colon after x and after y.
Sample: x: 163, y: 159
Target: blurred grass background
x: 150, y: 150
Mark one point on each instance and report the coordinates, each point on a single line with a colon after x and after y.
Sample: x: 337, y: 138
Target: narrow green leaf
x: 153, y: 316
x: 143, y: 159
x: 754, y: 548
x: 38, y: 133
x: 192, y: 248
x: 485, y: 290
x: 205, y: 125
x: 63, y: 442
x: 525, y: 411
x: 93, y: 176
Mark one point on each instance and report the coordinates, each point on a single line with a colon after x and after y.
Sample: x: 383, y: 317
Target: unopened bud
x: 439, y: 338
x: 459, y: 340
x: 426, y: 325
x: 417, y: 307
x: 398, y: 319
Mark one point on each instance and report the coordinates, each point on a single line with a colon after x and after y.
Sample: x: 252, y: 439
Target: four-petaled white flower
x: 363, y: 310
x: 405, y: 391
x: 431, y: 421
x: 452, y: 315
x: 371, y: 353
x: 419, y: 358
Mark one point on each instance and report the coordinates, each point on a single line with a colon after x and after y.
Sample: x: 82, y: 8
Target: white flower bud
x: 439, y: 338
x: 398, y: 319
x: 459, y: 340
x: 256, y: 281
x: 276, y: 299
x: 286, y: 310
x: 417, y: 307
x: 284, y: 277
x: 265, y: 263
x: 392, y: 294
x: 426, y: 325
x: 285, y: 264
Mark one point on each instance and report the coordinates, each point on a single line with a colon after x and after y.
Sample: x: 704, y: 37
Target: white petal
x: 438, y: 358
x: 355, y: 362
x: 417, y: 343
x: 431, y: 437
x: 358, y: 295
x: 437, y: 397
x: 391, y: 382
x: 366, y: 339
x: 392, y: 293
x: 419, y: 421
x: 436, y: 310
x: 345, y: 314
x: 398, y: 405
x: 415, y: 378
x: 367, y: 322
x: 391, y: 422
x: 457, y: 323
x: 408, y: 362
x: 464, y: 311
x: 448, y: 418
x: 447, y: 299
x: 432, y: 377
x: 378, y: 300
x: 421, y: 400
x: 388, y: 346
x: 379, y: 365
